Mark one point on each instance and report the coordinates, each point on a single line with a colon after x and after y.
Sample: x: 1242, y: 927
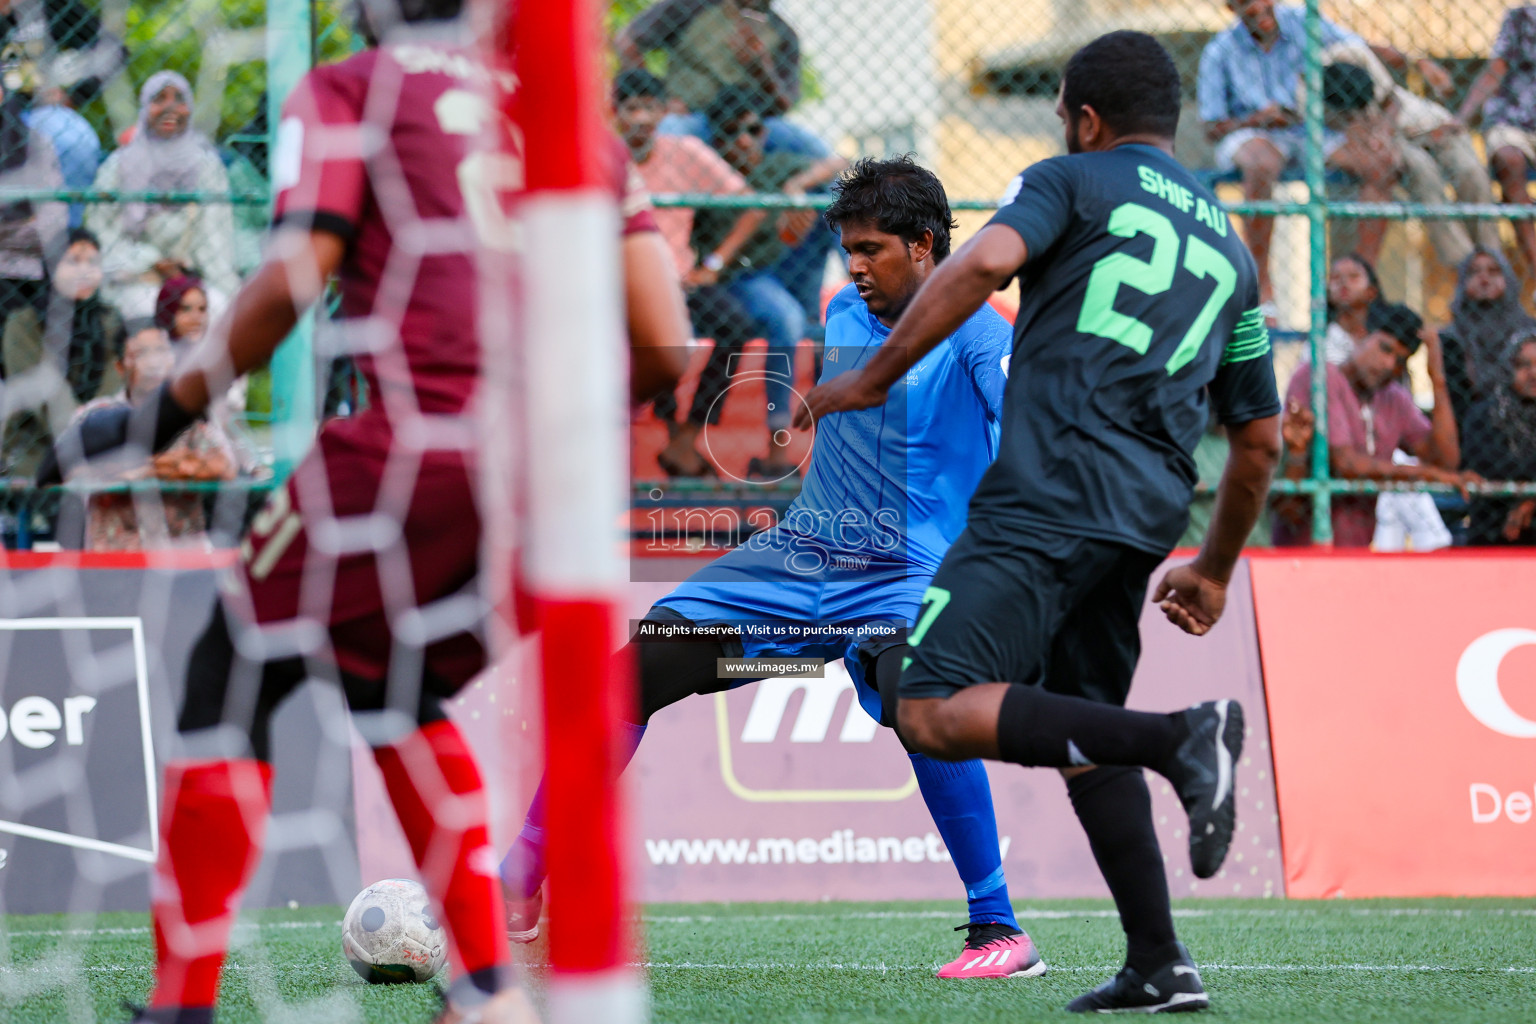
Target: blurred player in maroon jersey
x: 389, y: 170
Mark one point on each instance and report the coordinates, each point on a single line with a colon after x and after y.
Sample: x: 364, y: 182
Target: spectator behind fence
x: 737, y: 132
x: 713, y: 45
x: 1371, y: 414
x: 1247, y: 89
x: 1352, y: 289
x: 47, y: 46
x: 145, y: 243
x: 682, y: 163
x: 1485, y: 315
x: 181, y: 311
x: 1433, y: 147
x: 133, y: 521
x: 1501, y: 445
x: 74, y: 143
x: 60, y: 354
x: 31, y: 230
x: 1505, y: 95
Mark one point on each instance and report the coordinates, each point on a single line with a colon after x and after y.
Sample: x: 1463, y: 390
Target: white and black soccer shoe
x: 1202, y: 772
x: 1173, y: 988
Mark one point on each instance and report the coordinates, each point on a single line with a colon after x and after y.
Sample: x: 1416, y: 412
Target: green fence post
x: 1317, y: 268
x: 293, y: 364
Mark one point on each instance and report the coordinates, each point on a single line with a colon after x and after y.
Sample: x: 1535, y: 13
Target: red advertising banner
x: 787, y: 790
x: 1402, y: 700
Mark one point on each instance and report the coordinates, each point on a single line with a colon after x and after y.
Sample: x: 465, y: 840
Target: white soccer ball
x: 390, y: 933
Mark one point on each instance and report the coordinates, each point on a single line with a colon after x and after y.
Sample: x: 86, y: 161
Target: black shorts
x: 1016, y: 604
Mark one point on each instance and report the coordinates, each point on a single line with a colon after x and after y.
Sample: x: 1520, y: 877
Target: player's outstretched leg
x: 960, y: 800
x: 1195, y: 749
x: 435, y: 786
x: 1115, y: 809
x: 522, y: 869
x: 667, y: 671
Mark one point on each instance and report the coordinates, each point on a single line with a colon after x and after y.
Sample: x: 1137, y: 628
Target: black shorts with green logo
x: 1016, y: 604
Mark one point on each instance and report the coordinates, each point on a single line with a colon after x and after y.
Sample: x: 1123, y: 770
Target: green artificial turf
x: 1420, y: 960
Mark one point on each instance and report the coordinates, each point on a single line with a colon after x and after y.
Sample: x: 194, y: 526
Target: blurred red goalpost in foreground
x: 574, y: 388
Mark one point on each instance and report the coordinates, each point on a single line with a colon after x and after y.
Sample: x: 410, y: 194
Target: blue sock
x: 522, y: 869
x: 960, y: 800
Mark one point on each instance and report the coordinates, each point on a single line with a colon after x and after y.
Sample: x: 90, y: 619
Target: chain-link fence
x: 126, y: 205
x: 1423, y: 107
x: 133, y: 162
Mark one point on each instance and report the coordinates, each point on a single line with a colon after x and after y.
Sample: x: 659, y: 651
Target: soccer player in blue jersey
x: 1138, y: 310
x: 883, y: 498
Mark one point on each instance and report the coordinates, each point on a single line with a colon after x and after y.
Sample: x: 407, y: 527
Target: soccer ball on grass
x: 390, y: 933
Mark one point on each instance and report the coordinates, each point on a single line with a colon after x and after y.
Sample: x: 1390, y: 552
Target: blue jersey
x: 896, y: 478
x: 884, y: 496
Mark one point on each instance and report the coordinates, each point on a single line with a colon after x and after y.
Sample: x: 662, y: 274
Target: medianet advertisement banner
x: 1404, y: 715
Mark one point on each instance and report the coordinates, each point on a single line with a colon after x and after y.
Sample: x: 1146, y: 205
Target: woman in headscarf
x: 181, y: 310
x: 1485, y: 315
x: 60, y: 356
x: 144, y: 244
x: 1499, y: 441
x: 31, y: 233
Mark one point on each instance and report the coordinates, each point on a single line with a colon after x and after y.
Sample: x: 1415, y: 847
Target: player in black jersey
x: 1138, y: 306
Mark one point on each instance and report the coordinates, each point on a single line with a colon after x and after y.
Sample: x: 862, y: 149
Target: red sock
x: 435, y: 786
x: 210, y: 842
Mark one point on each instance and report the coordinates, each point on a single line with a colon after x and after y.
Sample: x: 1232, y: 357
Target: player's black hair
x: 374, y: 17
x: 730, y: 104
x: 1397, y: 320
x: 638, y: 82
x: 429, y: 10
x: 898, y: 196
x: 1129, y: 79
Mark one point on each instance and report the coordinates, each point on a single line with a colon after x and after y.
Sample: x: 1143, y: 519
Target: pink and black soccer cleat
x: 523, y: 914
x: 994, y: 950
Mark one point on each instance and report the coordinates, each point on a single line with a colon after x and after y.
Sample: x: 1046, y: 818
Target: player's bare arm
x: 1193, y: 596
x: 955, y: 290
x: 658, y: 323
x: 262, y: 314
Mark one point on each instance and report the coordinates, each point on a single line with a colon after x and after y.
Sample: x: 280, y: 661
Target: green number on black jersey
x: 1154, y: 277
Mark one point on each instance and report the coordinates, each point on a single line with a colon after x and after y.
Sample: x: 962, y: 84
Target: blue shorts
x: 830, y: 606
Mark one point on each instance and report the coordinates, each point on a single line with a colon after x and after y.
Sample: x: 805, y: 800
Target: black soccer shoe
x: 1174, y: 987
x: 1202, y: 771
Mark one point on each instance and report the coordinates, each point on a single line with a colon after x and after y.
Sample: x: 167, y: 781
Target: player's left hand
x: 1191, y: 600
x: 843, y: 393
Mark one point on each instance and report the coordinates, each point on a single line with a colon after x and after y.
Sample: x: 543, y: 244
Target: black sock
x: 1039, y: 729
x: 1116, y: 811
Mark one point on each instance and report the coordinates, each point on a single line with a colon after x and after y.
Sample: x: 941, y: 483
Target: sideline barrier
x: 1405, y: 769
x: 93, y: 652
x: 1398, y: 692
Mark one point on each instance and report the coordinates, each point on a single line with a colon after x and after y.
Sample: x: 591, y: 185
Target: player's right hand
x: 844, y: 393
x: 1191, y: 600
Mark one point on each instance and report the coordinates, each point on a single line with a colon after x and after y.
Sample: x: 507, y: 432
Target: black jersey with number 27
x: 1138, y: 305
